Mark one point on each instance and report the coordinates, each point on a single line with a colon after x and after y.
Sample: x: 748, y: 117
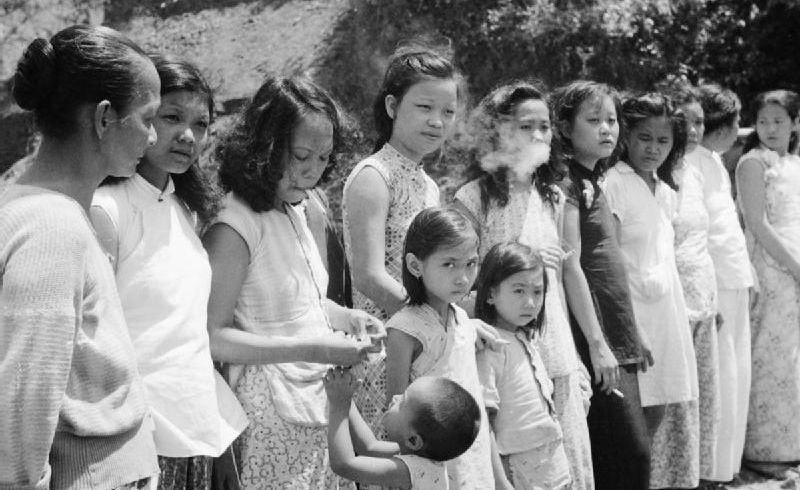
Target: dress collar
x: 394, y: 155
x: 151, y: 190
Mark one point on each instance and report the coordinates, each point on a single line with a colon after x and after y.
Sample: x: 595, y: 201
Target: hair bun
x: 35, y: 78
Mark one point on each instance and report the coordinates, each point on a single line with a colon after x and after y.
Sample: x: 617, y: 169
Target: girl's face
x: 774, y: 127
x: 518, y: 298
x: 531, y: 122
x: 695, y: 125
x: 307, y: 157
x: 447, y: 273
x: 181, y: 123
x: 649, y: 144
x: 423, y: 117
x: 128, y: 136
x: 595, y: 130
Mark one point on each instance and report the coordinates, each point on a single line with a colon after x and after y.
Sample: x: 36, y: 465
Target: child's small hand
x: 488, y: 337
x: 340, y: 384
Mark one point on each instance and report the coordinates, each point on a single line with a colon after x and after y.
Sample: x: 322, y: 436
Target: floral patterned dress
x: 410, y: 191
x: 530, y: 220
x: 698, y: 278
x: 773, y: 427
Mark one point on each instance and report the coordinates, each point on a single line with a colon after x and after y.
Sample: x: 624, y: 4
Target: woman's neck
x: 588, y: 162
x: 155, y: 176
x: 63, y: 166
x: 648, y: 177
x: 404, y: 150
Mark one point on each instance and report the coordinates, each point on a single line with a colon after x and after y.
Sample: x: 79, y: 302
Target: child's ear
x: 390, y: 103
x: 414, y: 441
x: 490, y: 298
x: 414, y: 265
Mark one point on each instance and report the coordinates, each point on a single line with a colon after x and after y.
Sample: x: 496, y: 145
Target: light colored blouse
x: 647, y: 244
x: 695, y: 266
x: 164, y: 278
x: 516, y: 385
x: 283, y: 295
x: 726, y: 241
x: 449, y: 351
x: 425, y: 473
x: 410, y: 191
x: 528, y: 219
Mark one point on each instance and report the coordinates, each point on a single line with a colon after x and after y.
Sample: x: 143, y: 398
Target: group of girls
x: 590, y: 286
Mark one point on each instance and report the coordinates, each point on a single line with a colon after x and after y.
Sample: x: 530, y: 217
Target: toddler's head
x: 440, y: 256
x: 435, y: 418
x: 512, y: 286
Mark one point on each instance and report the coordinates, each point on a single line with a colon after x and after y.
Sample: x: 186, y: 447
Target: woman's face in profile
x: 307, y: 158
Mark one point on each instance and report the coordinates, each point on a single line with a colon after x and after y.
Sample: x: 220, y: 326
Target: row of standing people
x: 661, y: 275
x: 281, y: 331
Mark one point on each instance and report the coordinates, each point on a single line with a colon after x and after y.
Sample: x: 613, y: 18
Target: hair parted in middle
x: 432, y: 229
x: 253, y: 155
x: 654, y: 104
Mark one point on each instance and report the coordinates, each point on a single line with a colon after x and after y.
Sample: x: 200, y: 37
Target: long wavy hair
x: 252, y: 156
x: 484, y: 128
x: 637, y: 109
x: 565, y: 101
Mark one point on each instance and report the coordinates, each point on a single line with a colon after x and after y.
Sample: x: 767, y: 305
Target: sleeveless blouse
x: 410, y: 191
x: 528, y: 219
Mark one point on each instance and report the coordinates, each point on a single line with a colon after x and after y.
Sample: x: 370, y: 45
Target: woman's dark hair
x: 484, y: 126
x: 407, y: 66
x: 79, y: 65
x: 502, y: 261
x: 252, y: 156
x: 637, y: 109
x: 783, y: 98
x: 564, y: 103
x: 721, y: 106
x: 432, y: 229
x: 195, y: 187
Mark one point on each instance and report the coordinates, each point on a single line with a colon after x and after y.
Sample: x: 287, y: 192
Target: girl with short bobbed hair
x: 74, y: 410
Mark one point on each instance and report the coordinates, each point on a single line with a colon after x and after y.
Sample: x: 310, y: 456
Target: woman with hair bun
x: 74, y: 410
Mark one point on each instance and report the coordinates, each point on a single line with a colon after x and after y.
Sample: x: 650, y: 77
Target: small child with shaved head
x: 433, y: 421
